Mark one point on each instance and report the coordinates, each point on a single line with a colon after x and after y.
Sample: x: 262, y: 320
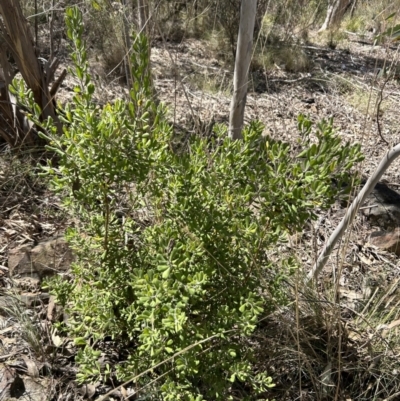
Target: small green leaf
x: 161, y: 268
x: 80, y: 341
x: 166, y: 273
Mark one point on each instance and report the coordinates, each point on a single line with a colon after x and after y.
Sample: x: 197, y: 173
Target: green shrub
x: 172, y: 244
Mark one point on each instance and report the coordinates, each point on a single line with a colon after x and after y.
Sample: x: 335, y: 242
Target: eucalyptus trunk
x: 242, y: 65
x: 335, y: 13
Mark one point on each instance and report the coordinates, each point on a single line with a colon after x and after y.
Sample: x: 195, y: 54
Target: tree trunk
x: 335, y: 13
x: 143, y: 15
x: 242, y: 64
x: 17, y: 40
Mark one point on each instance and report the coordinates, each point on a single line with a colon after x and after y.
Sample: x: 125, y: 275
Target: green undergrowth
x: 172, y: 243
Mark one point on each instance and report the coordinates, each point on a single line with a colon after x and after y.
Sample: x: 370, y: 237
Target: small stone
x: 387, y: 240
x: 45, y: 259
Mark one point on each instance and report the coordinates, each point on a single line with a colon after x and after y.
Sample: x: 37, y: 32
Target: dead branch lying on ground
x: 387, y: 160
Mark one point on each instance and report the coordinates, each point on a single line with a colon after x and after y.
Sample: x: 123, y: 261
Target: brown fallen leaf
x: 51, y: 308
x: 390, y: 326
x: 32, y: 369
x: 57, y: 340
x: 7, y: 376
x: 87, y: 390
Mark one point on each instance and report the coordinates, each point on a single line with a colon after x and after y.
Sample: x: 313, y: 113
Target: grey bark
x: 242, y: 64
x: 351, y: 212
x: 143, y: 15
x: 335, y: 13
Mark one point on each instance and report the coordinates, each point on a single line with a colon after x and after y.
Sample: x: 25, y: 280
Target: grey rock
x: 388, y: 241
x: 384, y: 209
x: 44, y: 260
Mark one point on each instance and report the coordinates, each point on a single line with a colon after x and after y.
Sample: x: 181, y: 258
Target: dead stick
x: 351, y: 212
x: 57, y: 83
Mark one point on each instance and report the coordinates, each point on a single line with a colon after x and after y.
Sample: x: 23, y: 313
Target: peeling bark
x: 335, y: 13
x: 17, y: 41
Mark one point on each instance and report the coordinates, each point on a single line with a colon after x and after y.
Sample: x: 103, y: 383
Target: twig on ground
x: 387, y: 160
x: 378, y: 109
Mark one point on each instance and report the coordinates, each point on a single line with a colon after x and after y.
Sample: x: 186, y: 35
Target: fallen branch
x: 351, y: 212
x: 58, y: 83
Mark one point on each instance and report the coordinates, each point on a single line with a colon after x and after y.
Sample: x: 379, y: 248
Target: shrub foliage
x: 172, y: 244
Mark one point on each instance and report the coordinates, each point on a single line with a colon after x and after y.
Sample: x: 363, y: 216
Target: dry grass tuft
x: 284, y: 56
x: 366, y: 102
x: 317, y: 348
